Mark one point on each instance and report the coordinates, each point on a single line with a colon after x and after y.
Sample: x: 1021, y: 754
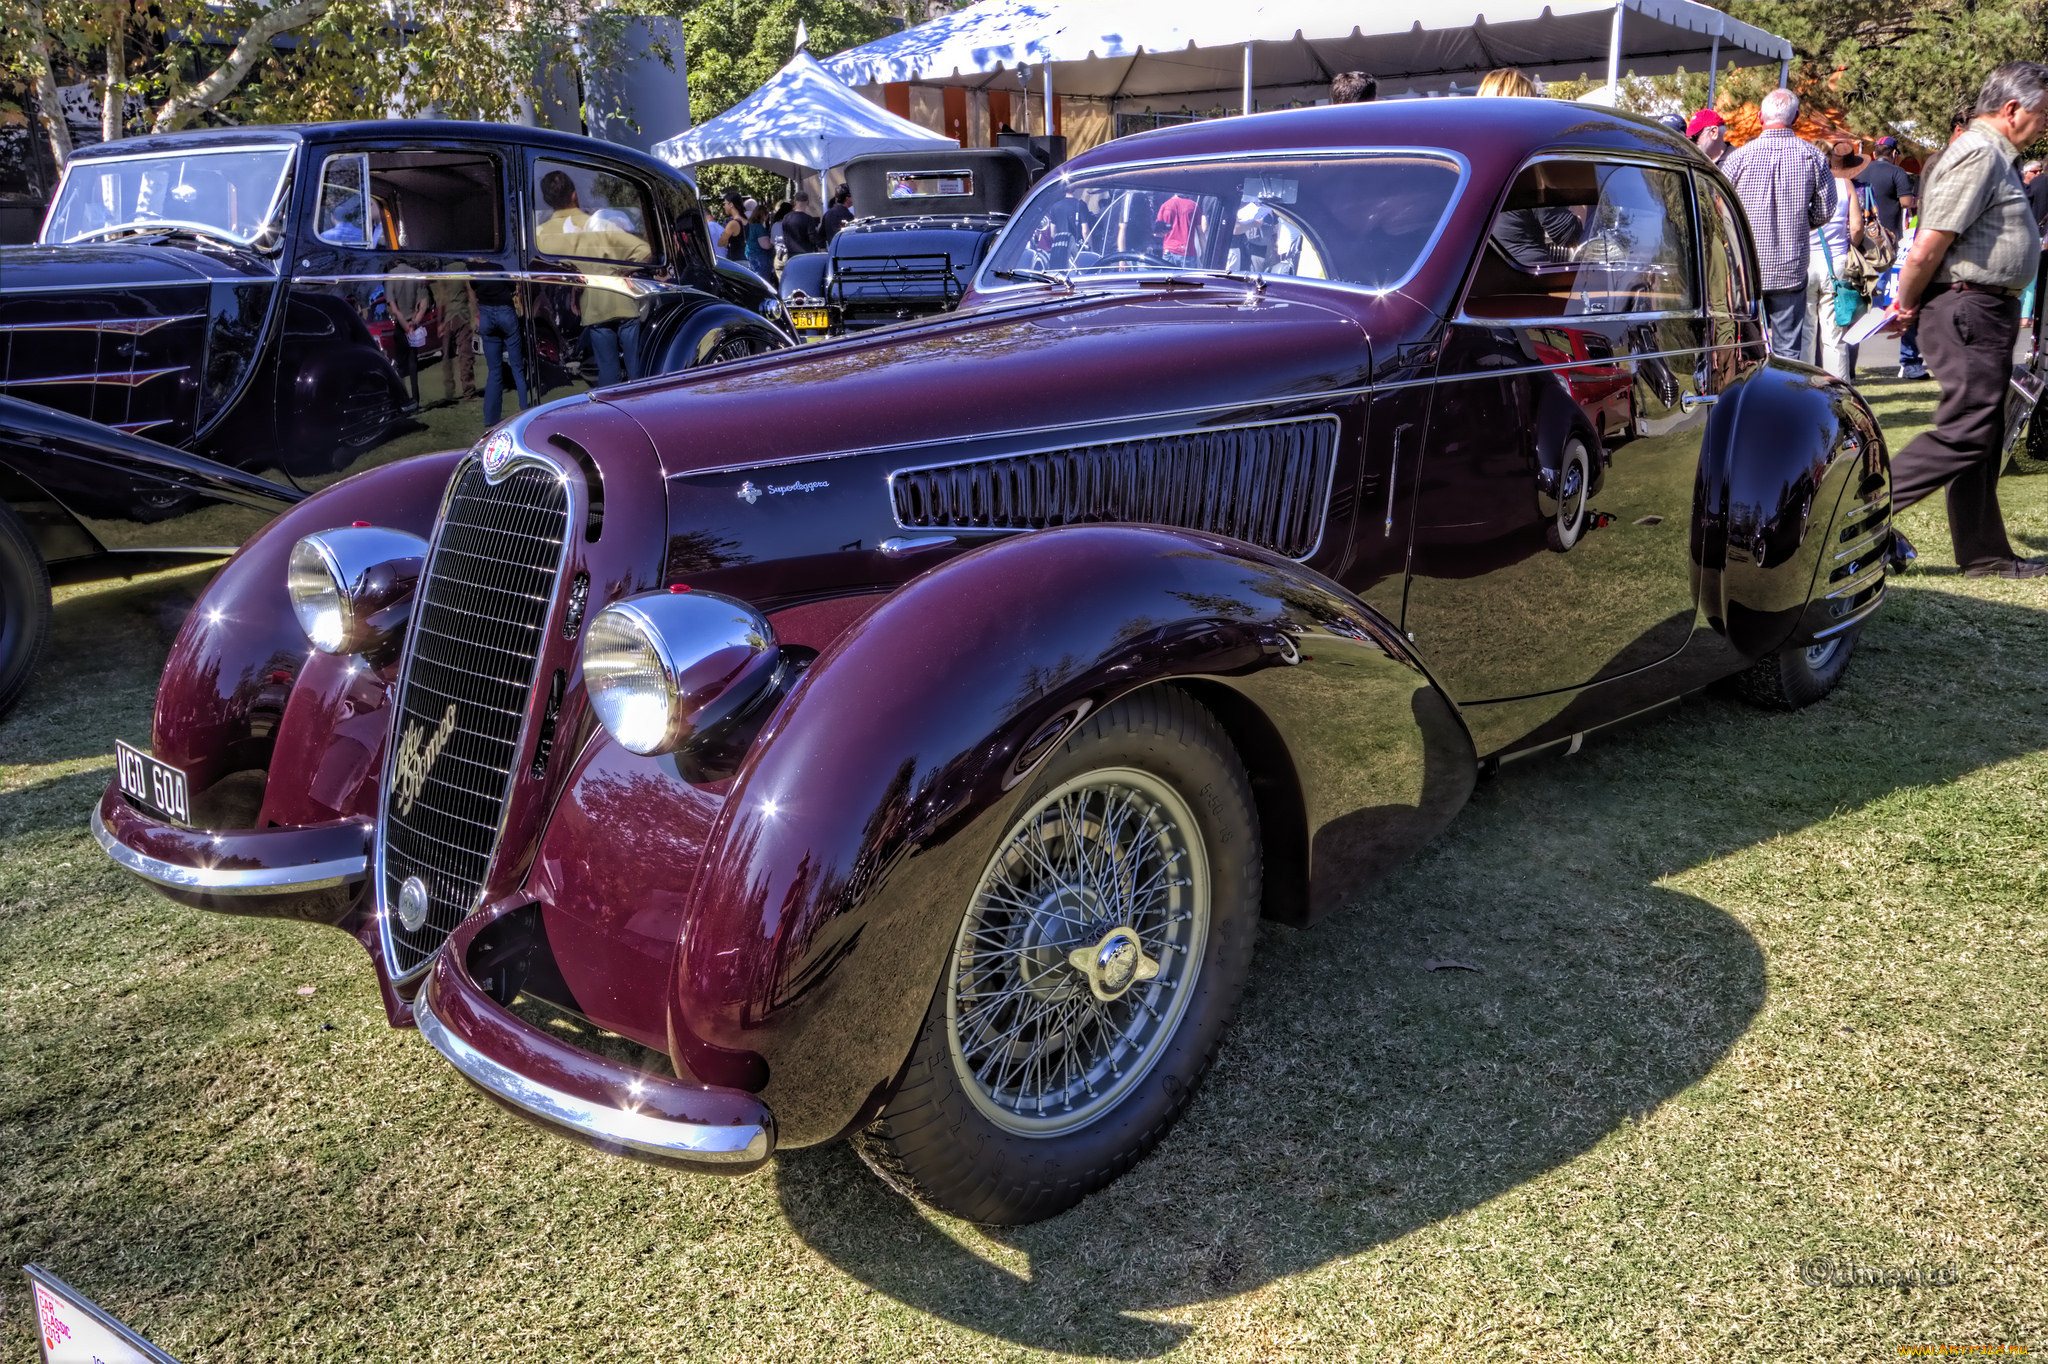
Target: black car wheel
x: 1798, y: 675
x: 24, y: 608
x: 1092, y: 974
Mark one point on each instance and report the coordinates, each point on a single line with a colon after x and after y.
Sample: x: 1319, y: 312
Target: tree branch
x: 254, y: 46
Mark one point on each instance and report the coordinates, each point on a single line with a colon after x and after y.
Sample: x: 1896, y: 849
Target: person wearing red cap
x: 1709, y: 132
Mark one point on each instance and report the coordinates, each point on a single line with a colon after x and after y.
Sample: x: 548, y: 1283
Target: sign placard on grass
x: 74, y: 1329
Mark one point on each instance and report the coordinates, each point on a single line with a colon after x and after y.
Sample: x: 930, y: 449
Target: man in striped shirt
x: 1787, y: 191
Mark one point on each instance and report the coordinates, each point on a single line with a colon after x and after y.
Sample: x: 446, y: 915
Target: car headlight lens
x: 665, y: 668
x: 352, y: 587
x: 316, y: 596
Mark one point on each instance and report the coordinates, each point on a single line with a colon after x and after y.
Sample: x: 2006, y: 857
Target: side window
x: 589, y: 213
x: 1728, y: 284
x: 411, y: 201
x: 1588, y: 239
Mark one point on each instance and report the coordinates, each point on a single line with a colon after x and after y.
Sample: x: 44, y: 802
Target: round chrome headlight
x: 352, y: 587
x: 667, y: 667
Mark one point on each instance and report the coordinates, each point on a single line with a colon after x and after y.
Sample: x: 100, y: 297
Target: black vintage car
x: 927, y: 220
x: 215, y: 323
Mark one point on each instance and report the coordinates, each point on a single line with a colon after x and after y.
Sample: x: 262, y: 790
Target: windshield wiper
x: 162, y: 227
x: 1035, y: 277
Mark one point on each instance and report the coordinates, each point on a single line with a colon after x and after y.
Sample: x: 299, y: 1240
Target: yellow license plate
x: 811, y: 319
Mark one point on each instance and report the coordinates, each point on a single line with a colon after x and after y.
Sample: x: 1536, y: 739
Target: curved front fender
x: 835, y: 874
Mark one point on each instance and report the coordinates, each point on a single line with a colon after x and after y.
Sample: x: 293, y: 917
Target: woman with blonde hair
x: 1506, y: 80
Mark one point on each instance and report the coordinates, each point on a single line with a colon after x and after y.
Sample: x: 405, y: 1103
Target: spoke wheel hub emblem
x: 1114, y: 964
x: 412, y: 904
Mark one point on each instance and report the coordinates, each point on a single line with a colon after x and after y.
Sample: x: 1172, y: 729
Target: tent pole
x: 1784, y: 73
x: 1248, y: 77
x: 1046, y: 69
x: 1614, y: 56
x: 1713, y: 69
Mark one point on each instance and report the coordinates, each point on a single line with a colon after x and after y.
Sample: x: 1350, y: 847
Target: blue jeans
x: 1909, y: 346
x: 1785, y: 317
x: 606, y: 348
x: 498, y: 325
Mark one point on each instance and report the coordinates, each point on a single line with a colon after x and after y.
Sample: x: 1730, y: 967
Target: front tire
x: 1796, y: 676
x: 24, y: 608
x: 1092, y: 975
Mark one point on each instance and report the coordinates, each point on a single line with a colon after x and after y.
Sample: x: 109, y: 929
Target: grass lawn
x: 1752, y: 989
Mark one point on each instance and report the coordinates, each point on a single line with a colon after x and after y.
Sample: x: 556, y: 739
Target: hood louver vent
x: 1267, y: 484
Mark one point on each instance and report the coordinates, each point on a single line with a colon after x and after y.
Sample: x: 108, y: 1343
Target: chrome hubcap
x: 1079, y: 952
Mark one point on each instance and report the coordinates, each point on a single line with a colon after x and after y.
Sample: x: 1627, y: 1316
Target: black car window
x: 1588, y: 239
x: 1728, y: 284
x: 411, y: 201
x: 589, y: 213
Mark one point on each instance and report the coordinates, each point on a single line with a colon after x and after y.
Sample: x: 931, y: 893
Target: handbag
x: 1879, y: 250
x: 1849, y: 301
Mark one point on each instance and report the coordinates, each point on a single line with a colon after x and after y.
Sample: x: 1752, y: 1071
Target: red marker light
x: 359, y: 523
x: 679, y: 587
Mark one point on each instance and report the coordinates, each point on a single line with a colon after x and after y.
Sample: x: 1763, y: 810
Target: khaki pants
x: 456, y: 359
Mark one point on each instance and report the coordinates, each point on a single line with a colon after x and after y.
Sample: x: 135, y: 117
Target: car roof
x: 1491, y: 131
x: 414, y: 130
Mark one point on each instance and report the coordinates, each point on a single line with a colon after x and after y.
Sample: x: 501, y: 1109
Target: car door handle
x: 1689, y: 401
x: 1393, y: 477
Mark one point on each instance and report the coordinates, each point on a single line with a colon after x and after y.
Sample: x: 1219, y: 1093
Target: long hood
x: 95, y: 267
x: 1073, y: 363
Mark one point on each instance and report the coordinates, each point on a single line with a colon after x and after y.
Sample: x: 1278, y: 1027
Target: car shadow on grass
x: 1363, y: 1095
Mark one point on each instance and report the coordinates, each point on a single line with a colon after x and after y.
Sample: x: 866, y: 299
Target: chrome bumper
x: 605, y: 1124
x: 230, y: 880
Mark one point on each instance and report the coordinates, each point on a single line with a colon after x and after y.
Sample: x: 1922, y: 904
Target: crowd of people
x: 762, y: 239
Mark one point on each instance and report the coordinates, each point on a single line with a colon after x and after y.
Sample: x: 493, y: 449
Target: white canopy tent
x: 1278, y: 52
x: 802, y: 121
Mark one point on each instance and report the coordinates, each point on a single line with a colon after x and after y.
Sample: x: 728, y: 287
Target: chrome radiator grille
x: 475, y: 644
x: 1267, y: 484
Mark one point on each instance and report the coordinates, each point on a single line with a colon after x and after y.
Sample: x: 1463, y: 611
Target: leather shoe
x: 1901, y: 555
x: 2008, y: 568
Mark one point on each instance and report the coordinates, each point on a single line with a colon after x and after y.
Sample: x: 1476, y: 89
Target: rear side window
x: 589, y: 213
x: 1588, y: 239
x: 411, y: 201
x: 1729, y: 289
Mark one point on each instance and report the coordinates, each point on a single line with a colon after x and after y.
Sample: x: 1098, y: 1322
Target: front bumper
x: 594, y: 1099
x: 314, y: 873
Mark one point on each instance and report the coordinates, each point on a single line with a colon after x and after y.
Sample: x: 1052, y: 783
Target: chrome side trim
x: 620, y: 1126
x: 240, y: 881
x: 130, y: 326
x: 126, y: 378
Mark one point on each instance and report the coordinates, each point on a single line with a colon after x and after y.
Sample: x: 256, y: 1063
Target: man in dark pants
x: 1975, y: 253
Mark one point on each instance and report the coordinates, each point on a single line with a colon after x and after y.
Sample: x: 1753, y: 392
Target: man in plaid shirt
x: 1787, y: 190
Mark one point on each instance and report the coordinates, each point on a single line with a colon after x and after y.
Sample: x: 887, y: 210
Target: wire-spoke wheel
x: 1093, y: 970
x: 1076, y: 958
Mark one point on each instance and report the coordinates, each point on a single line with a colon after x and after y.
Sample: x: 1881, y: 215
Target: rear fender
x: 694, y: 338
x: 1789, y: 454
x: 835, y: 874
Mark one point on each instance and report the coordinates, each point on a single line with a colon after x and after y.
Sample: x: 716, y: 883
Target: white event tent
x: 1209, y: 51
x: 802, y: 121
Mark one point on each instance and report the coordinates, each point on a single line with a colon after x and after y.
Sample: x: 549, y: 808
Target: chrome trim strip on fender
x: 130, y: 326
x: 224, y: 881
x: 124, y: 378
x: 619, y: 1126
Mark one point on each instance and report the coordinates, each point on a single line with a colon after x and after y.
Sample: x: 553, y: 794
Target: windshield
x: 231, y: 192
x: 1360, y: 218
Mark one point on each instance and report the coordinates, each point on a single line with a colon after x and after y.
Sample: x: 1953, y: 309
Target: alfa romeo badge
x: 498, y: 451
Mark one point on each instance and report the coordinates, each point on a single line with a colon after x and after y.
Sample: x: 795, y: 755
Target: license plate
x: 158, y: 787
x: 810, y: 319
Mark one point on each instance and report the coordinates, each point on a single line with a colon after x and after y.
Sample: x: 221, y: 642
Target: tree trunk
x: 254, y: 46
x: 46, y: 94
x: 114, y: 103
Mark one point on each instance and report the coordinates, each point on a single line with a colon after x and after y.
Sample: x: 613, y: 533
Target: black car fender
x: 835, y: 877
x: 1793, y: 510
x: 805, y: 274
x: 709, y: 333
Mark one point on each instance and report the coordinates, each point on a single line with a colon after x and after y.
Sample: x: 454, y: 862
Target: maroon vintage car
x: 899, y: 739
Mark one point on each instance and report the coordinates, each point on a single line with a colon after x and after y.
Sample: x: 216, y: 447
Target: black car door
x: 1551, y: 533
